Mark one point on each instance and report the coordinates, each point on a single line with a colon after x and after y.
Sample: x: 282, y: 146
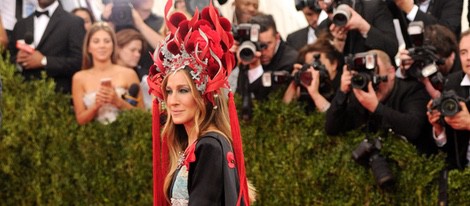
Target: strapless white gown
x: 106, y: 113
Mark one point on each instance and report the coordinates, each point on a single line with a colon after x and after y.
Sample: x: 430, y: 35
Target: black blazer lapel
x: 55, y: 19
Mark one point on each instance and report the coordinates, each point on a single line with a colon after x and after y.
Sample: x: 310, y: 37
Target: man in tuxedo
x: 306, y: 35
x: 57, y: 38
x: 444, y: 12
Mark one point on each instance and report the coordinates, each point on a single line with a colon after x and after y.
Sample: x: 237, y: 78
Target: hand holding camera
x: 451, y: 109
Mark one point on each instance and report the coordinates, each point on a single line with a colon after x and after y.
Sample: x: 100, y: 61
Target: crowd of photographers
x: 382, y: 66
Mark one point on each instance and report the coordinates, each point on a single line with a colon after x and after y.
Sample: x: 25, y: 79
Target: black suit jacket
x: 445, y: 12
x: 402, y: 113
x: 61, y: 43
x: 381, y: 35
x: 457, y: 140
x: 298, y: 39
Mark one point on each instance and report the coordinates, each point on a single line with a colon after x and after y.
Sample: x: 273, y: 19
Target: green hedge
x: 48, y: 159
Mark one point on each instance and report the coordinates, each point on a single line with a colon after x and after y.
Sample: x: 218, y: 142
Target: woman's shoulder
x: 213, y: 138
x: 80, y: 75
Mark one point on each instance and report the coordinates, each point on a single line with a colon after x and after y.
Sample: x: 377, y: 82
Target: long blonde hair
x: 207, y: 116
x: 87, y: 59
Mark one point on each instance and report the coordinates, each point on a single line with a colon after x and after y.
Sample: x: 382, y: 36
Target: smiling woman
x: 98, y: 89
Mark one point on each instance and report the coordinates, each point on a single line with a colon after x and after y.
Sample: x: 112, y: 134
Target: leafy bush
x: 48, y: 159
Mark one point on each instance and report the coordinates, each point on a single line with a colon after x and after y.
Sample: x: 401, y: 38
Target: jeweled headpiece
x: 202, y: 44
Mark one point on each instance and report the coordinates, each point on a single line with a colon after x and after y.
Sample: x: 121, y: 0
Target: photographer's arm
x: 151, y: 36
x: 381, y: 33
x: 438, y: 131
x: 320, y: 102
x: 292, y: 91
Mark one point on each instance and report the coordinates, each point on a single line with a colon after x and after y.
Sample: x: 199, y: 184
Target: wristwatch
x: 44, y: 61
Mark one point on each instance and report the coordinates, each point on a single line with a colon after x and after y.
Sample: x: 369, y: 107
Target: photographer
x: 443, y: 45
x: 360, y: 25
x: 385, y: 103
x: 322, y: 65
x: 273, y: 54
x: 452, y: 132
x: 307, y: 35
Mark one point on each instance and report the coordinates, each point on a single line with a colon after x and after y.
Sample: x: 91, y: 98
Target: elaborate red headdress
x: 201, y: 44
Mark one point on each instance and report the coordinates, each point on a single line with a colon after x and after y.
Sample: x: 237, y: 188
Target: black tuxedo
x: 61, y: 43
x: 298, y: 39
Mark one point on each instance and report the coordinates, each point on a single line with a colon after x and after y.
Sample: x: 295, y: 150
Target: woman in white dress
x: 99, y: 90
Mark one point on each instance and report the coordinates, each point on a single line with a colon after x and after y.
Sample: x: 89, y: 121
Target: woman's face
x: 130, y: 53
x: 86, y: 18
x: 180, y: 102
x: 100, y: 46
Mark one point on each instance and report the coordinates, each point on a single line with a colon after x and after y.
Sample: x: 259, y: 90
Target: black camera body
x: 424, y: 56
x: 365, y: 65
x: 247, y: 35
x: 368, y: 154
x: 311, y: 4
x: 121, y: 14
x: 447, y: 103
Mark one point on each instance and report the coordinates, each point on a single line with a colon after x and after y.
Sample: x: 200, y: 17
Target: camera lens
x: 341, y: 15
x: 247, y: 50
x: 383, y: 175
x: 360, y: 80
x: 450, y: 107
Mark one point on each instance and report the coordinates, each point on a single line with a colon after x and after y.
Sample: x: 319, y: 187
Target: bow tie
x: 39, y: 13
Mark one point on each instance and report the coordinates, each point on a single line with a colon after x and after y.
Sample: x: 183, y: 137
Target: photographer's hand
x: 357, y: 22
x: 346, y: 80
x: 312, y: 88
x: 433, y: 118
x: 461, y: 120
x: 339, y: 36
x: 321, y: 102
x: 405, y: 61
x: 254, y: 63
x: 367, y: 99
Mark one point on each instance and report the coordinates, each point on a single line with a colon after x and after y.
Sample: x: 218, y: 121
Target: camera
x: 365, y: 65
x: 311, y: 4
x: 340, y: 10
x: 121, y: 14
x: 447, y: 103
x: 247, y: 36
x: 368, y: 154
x: 341, y: 15
x: 424, y: 56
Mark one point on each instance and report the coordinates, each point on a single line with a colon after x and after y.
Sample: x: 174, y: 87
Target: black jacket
x: 457, y: 140
x: 61, y: 43
x: 211, y: 179
x: 381, y: 35
x: 402, y: 113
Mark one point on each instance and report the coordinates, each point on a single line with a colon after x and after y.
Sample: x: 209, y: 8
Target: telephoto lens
x: 341, y: 15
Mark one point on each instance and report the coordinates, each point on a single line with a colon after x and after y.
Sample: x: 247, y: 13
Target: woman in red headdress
x: 198, y: 156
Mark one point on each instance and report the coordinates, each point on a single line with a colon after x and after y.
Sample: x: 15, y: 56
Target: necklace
x: 181, y: 159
